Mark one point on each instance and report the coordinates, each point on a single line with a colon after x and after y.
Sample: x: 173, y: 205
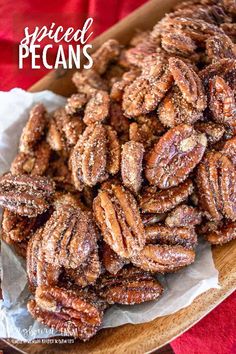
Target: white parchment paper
x: 181, y: 288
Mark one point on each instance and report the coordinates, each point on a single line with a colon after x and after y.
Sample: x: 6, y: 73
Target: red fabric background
x: 216, y: 332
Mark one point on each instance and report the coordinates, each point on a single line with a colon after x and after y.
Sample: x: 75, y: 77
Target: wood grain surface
x: 145, y: 337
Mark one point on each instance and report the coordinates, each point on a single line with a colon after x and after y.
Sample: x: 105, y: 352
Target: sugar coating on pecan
x: 129, y: 286
x: 220, y: 47
x: 197, y: 29
x: 39, y: 272
x: 174, y: 156
x: 216, y: 178
x: 96, y: 154
x: 87, y: 273
x: 63, y: 131
x: 184, y: 215
x: 20, y: 228
x: 188, y: 82
x: 111, y: 261
x: 178, y: 43
x: 75, y: 103
x: 222, y: 235
x: 174, y: 109
x: 69, y: 236
x: 34, y: 129
x: 146, y: 92
x: 229, y: 149
x: 118, y: 218
x: 97, y: 108
x: 25, y: 195
x: 131, y: 165
x: 163, y: 258
x: 108, y: 52
x: 34, y: 163
x: 161, y: 234
x: 222, y: 102
x: 214, y: 131
x: 118, y: 87
x: 161, y: 201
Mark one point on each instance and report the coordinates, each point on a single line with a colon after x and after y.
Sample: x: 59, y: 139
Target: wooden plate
x: 152, y: 335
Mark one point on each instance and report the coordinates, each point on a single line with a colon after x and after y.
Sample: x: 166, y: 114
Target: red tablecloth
x: 216, y: 332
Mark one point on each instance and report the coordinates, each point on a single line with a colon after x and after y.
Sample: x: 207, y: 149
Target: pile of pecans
x: 116, y: 186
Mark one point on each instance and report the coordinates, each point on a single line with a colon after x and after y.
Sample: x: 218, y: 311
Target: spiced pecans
x: 115, y: 187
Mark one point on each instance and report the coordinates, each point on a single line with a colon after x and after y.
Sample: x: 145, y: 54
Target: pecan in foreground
x: 74, y: 313
x: 118, y: 218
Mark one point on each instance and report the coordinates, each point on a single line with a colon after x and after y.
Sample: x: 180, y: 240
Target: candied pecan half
x: 110, y: 259
x: 174, y: 110
x: 118, y: 87
x: 174, y: 156
x: 118, y: 217
x: 19, y: 228
x: 63, y: 131
x: 207, y: 11
x: 220, y: 47
x: 198, y: 30
x: 96, y: 154
x: 39, y: 272
x: 87, y: 273
x: 75, y: 103
x: 129, y: 286
x: 185, y: 236
x: 161, y: 201
x: 69, y: 236
x: 184, y: 215
x: 25, y: 195
x: 225, y: 68
x: 229, y: 149
x: 222, y: 102
x: 34, y: 162
x: 222, y: 235
x: 74, y: 313
x: 97, y: 108
x: 163, y: 258
x: 34, y: 129
x: 108, y: 52
x: 188, y: 82
x: 137, y: 54
x: 178, y: 43
x: 88, y: 82
x: 146, y: 92
x: 131, y: 165
x: 216, y: 178
x: 214, y: 131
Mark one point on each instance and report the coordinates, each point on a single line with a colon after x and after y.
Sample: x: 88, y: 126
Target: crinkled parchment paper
x: 181, y: 288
